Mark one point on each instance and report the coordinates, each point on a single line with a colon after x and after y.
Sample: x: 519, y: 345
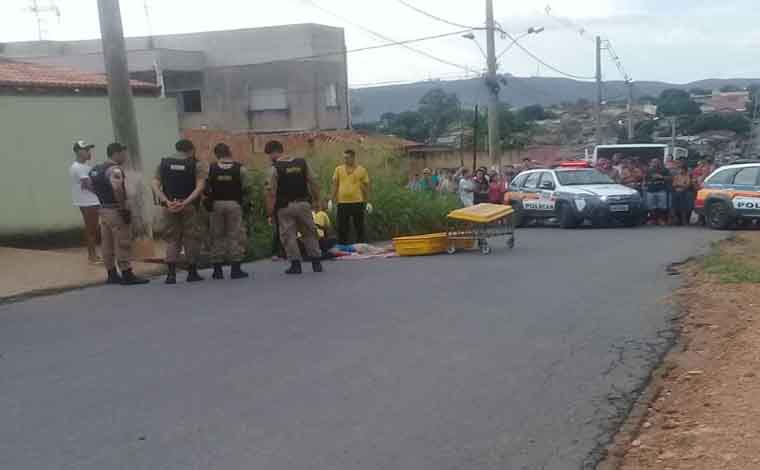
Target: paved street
x: 516, y: 360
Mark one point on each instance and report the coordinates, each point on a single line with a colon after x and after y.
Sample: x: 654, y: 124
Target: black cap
x: 82, y: 145
x: 184, y: 145
x: 115, y: 148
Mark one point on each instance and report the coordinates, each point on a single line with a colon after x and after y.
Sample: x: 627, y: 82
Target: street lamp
x: 531, y: 30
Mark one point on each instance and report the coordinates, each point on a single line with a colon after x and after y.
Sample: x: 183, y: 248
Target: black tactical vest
x: 292, y: 182
x: 178, y: 177
x: 225, y: 182
x: 101, y: 184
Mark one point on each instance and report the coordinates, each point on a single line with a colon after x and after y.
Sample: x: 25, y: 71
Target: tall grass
x: 397, y: 211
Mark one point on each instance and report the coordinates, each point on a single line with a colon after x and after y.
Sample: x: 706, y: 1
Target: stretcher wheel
x: 451, y: 249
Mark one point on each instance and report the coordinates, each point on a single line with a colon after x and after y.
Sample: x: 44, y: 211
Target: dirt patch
x: 702, y: 410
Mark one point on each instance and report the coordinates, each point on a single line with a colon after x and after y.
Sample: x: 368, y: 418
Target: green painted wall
x: 36, y: 136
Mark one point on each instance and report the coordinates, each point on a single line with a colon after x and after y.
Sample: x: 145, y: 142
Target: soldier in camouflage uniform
x: 178, y: 183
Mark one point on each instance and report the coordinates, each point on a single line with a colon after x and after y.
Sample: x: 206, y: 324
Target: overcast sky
x: 670, y: 40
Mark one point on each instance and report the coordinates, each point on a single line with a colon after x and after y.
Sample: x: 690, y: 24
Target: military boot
x: 171, y: 274
x: 295, y: 268
x: 237, y: 272
x: 128, y: 278
x: 192, y: 274
x: 113, y: 277
x: 218, y: 272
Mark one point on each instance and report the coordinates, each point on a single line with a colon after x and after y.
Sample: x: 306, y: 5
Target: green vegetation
x: 731, y: 269
x: 736, y: 122
x: 397, y: 211
x: 675, y: 102
x: 439, y: 112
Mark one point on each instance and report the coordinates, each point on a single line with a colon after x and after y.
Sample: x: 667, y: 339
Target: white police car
x: 574, y: 193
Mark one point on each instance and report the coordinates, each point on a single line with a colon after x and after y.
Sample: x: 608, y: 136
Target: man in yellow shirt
x: 351, y: 193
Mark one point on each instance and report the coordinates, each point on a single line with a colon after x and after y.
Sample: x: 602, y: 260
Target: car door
x: 531, y: 195
x: 746, y: 191
x: 514, y: 194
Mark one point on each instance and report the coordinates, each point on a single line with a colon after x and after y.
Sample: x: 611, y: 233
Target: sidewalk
x: 33, y: 272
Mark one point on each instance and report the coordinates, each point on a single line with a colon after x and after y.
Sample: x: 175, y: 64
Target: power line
x: 386, y: 38
x: 368, y: 48
x: 542, y: 62
x: 430, y: 15
x: 569, y: 24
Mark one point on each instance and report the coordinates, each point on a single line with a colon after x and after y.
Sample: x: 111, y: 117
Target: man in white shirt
x: 83, y: 197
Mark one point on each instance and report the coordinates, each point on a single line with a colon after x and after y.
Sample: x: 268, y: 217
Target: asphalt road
x: 522, y: 359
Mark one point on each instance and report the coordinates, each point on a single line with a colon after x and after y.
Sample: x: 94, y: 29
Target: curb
x: 34, y: 293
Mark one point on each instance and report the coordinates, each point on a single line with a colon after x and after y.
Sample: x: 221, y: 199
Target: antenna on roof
x: 40, y: 10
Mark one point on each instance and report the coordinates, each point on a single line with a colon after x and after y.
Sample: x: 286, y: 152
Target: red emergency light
x: 574, y: 164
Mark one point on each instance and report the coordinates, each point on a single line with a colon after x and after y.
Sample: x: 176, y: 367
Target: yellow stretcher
x: 480, y: 223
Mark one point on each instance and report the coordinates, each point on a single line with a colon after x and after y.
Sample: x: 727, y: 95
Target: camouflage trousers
x: 182, y: 230
x: 116, y: 239
x: 226, y: 223
x: 295, y: 218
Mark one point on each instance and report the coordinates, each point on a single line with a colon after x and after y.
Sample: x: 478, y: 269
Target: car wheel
x: 718, y: 215
x: 566, y: 217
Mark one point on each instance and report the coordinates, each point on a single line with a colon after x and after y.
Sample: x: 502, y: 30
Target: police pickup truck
x: 573, y: 193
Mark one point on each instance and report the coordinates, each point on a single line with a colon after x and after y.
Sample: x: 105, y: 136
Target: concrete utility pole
x: 475, y: 139
x: 598, y: 101
x: 629, y: 83
x: 123, y: 116
x: 494, y: 147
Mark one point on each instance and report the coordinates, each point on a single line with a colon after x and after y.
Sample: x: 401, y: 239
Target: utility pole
x: 475, y: 139
x: 673, y: 130
x: 123, y: 116
x: 494, y: 149
x: 598, y: 101
x: 629, y: 83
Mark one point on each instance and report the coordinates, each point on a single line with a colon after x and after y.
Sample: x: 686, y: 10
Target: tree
x: 736, y: 122
x: 675, y: 102
x: 647, y: 99
x: 439, y: 110
x: 532, y: 113
x: 700, y: 92
x: 729, y: 88
x: 408, y: 125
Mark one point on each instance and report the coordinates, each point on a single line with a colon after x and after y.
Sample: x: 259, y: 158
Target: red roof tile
x: 24, y: 74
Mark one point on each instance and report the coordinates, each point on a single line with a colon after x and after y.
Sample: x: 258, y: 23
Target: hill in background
x: 370, y: 103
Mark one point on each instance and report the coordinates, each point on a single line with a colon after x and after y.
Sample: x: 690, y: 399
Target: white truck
x: 639, y: 151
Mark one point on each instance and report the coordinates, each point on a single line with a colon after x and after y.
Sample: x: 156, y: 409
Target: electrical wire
x: 430, y: 15
x: 368, y: 48
x: 542, y: 62
x: 386, y: 38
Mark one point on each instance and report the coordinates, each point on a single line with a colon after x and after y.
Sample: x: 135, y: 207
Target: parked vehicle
x: 574, y: 193
x: 730, y: 194
x: 639, y: 151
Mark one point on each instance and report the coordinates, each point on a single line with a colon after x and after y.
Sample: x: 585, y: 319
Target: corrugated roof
x: 25, y: 74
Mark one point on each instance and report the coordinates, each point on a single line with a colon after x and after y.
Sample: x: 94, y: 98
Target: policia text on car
x: 109, y: 184
x: 178, y: 184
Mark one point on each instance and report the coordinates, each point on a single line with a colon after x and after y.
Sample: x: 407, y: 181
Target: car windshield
x: 577, y: 177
